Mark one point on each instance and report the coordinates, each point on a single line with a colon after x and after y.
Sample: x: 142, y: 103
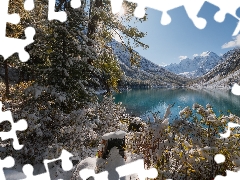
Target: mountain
x: 225, y: 74
x: 195, y: 67
x: 147, y: 73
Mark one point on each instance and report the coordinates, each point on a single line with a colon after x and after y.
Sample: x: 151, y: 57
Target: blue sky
x: 182, y: 38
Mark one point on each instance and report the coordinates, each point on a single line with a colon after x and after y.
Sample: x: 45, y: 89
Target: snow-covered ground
x: 109, y: 165
x: 17, y: 174
x: 13, y: 175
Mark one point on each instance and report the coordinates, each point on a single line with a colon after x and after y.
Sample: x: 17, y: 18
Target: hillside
x: 225, y: 74
x: 195, y: 67
x: 147, y: 73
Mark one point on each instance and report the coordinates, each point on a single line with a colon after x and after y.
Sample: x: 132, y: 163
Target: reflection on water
x: 140, y: 102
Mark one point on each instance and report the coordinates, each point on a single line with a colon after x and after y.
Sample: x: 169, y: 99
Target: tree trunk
x: 92, y: 25
x: 21, y: 75
x: 6, y: 79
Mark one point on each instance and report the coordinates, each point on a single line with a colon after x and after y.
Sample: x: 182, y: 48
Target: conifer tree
x: 63, y: 80
x: 68, y: 62
x: 14, y: 31
x: 103, y: 27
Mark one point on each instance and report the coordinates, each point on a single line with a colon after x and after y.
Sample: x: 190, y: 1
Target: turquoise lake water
x: 140, y: 102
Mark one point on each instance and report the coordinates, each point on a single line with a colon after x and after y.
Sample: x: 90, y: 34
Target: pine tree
x: 14, y: 31
x: 68, y: 62
x: 103, y: 26
x: 63, y: 81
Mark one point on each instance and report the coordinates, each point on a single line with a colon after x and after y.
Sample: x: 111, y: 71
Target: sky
x: 181, y: 39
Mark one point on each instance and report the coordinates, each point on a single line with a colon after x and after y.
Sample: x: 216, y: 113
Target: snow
x: 219, y: 82
x: 115, y: 160
x: 223, y: 75
x: 98, y: 92
x: 17, y: 173
x: 89, y: 162
x: 197, y: 66
x: 13, y: 174
x: 114, y: 135
x: 147, y: 72
x: 204, y: 54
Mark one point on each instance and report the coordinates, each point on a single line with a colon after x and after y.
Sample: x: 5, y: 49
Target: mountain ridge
x: 195, y: 67
x: 205, y: 70
x: 147, y: 74
x: 224, y: 75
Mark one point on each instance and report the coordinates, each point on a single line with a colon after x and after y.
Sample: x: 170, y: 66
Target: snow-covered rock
x: 114, y: 135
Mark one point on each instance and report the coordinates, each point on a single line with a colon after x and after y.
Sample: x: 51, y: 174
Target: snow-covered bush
x: 186, y: 148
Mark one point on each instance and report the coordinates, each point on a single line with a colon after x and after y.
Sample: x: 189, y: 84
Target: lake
x: 140, y: 102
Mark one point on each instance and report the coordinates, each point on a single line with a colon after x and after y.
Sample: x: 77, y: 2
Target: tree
x: 66, y: 66
x: 103, y: 26
x: 14, y: 31
x: 63, y: 81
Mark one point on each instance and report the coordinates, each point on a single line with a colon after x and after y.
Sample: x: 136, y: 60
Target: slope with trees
x: 145, y: 73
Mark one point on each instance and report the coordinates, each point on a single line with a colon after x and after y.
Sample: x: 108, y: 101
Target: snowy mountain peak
x: 207, y: 53
x: 225, y: 74
x: 196, y: 67
x: 185, y: 59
